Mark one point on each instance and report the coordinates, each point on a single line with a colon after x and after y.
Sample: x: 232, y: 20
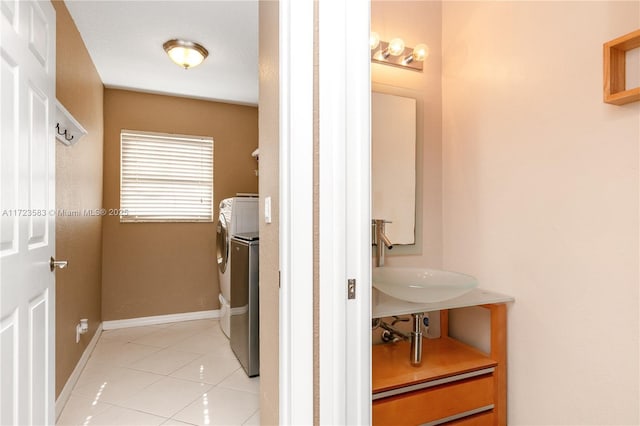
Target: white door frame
x: 344, y: 211
x: 296, y: 212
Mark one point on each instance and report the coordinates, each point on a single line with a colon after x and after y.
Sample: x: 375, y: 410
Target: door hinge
x: 351, y: 288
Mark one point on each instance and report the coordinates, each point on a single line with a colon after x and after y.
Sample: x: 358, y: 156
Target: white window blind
x: 165, y: 178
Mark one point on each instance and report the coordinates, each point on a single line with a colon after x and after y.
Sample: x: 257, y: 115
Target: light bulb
x: 396, y: 47
x: 420, y: 52
x: 187, y: 54
x: 185, y: 57
x: 374, y: 40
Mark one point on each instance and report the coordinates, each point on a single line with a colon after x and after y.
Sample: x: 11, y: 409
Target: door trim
x: 345, y: 212
x: 296, y: 212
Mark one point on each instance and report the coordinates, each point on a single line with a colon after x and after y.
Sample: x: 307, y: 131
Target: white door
x: 344, y: 87
x: 27, y: 200
x: 344, y: 215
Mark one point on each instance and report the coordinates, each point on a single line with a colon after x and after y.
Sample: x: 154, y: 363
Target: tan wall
x: 417, y: 22
x: 78, y: 186
x: 541, y: 188
x: 166, y: 268
x: 269, y: 233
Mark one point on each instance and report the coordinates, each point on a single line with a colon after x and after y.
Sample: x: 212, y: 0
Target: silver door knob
x: 53, y: 264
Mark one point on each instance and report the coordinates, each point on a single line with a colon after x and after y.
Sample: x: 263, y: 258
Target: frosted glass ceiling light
x: 186, y: 54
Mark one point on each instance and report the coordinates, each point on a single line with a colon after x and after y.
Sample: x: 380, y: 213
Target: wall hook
x: 66, y: 134
x: 58, y: 130
x: 68, y: 130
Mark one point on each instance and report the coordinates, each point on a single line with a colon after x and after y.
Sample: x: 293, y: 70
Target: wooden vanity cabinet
x: 456, y: 384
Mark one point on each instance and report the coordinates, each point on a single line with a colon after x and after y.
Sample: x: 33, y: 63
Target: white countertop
x: 386, y: 306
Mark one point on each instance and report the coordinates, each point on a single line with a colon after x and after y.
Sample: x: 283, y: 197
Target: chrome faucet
x: 380, y: 240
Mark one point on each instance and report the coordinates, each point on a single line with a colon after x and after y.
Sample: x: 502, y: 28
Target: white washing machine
x: 238, y: 215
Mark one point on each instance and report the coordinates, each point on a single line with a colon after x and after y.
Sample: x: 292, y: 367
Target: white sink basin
x: 421, y: 285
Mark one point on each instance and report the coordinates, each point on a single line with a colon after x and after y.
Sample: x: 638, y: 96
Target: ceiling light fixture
x: 396, y: 53
x: 186, y: 54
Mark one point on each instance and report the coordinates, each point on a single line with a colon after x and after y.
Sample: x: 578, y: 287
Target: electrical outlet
x: 81, y: 328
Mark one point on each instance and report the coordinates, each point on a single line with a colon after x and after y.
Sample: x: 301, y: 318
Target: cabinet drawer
x: 439, y: 402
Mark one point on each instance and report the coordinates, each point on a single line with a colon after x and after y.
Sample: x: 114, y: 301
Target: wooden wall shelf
x: 615, y: 91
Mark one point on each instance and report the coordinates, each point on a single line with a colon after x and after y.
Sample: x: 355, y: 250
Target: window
x: 165, y: 178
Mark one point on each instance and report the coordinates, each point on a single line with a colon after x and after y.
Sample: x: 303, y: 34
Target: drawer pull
x: 459, y: 416
x: 433, y: 383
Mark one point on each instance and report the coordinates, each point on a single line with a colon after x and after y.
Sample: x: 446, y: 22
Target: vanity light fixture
x: 374, y: 40
x: 420, y: 52
x: 186, y: 54
x: 395, y: 47
x: 396, y: 53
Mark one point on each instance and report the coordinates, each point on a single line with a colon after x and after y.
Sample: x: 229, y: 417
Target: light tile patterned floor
x: 172, y: 374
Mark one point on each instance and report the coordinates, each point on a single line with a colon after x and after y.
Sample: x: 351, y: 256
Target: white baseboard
x: 75, y: 375
x: 160, y: 319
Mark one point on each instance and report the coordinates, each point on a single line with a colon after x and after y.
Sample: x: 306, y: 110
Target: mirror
x: 393, y: 164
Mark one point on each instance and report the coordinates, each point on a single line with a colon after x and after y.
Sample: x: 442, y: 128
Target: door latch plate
x: 351, y: 288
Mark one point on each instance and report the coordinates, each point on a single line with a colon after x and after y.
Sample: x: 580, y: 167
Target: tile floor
x: 172, y: 374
